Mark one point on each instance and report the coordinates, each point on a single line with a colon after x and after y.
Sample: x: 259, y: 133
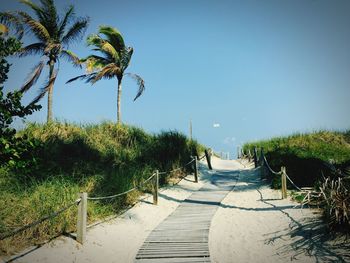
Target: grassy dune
x: 307, y: 158
x: 67, y: 159
x: 305, y: 155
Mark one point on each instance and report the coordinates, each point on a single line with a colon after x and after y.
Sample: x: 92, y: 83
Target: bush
x: 101, y: 160
x: 12, y: 148
x: 306, y: 156
x: 336, y: 197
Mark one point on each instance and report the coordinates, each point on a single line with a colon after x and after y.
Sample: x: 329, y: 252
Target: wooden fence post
x: 155, y: 188
x: 208, y: 159
x: 196, y: 169
x: 82, y: 216
x: 284, y: 182
x: 262, y: 156
x: 255, y: 158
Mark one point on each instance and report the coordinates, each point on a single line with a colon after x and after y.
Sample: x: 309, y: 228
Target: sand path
x: 252, y: 224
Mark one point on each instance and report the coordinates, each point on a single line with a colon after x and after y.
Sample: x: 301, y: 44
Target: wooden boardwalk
x: 183, y: 235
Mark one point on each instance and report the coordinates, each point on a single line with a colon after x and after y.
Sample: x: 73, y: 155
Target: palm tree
x: 112, y: 61
x: 53, y: 34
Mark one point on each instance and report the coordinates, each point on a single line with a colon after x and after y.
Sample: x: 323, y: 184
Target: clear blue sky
x: 258, y: 68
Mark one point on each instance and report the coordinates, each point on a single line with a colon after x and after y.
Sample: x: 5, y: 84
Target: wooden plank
x: 183, y: 235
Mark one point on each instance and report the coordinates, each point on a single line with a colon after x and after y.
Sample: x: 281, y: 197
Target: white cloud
x: 216, y: 125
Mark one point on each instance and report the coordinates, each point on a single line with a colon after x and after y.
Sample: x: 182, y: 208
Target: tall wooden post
x: 255, y: 158
x: 207, y: 155
x: 283, y: 182
x: 155, y: 188
x: 262, y: 156
x: 82, y: 217
x: 262, y: 164
x: 196, y: 169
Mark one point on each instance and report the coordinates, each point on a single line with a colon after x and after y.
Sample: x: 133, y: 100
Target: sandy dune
x: 251, y: 225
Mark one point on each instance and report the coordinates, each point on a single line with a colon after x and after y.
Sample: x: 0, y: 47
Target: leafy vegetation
x: 53, y: 33
x: 114, y: 61
x: 12, y: 148
x: 305, y: 156
x: 320, y: 160
x: 100, y: 159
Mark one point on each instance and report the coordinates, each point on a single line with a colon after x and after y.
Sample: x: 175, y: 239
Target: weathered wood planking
x: 183, y: 235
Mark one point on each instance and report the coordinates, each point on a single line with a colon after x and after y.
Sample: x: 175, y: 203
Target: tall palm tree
x: 112, y: 61
x: 53, y: 33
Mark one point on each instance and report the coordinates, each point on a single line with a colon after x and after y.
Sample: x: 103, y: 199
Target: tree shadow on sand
x: 309, y: 237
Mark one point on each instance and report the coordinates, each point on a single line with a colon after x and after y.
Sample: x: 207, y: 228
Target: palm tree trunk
x: 50, y: 91
x: 119, y: 94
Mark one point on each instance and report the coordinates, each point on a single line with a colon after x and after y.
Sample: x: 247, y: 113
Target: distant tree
x: 112, y: 61
x: 11, y: 147
x: 53, y: 33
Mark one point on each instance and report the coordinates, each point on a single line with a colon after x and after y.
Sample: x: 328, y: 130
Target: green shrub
x: 305, y: 156
x: 101, y: 160
x: 12, y: 148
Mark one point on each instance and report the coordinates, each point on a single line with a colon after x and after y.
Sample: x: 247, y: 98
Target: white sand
x: 253, y: 224
x: 244, y: 229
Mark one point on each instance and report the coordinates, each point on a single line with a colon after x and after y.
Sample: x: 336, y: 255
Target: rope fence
x: 262, y: 162
x: 81, y: 202
x: 37, y: 222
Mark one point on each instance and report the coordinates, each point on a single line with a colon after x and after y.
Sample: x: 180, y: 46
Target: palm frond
x: 96, y: 58
x: 32, y: 49
x: 71, y: 57
x: 126, y: 55
x: 86, y: 77
x: 50, y: 18
x: 38, y: 29
x: 140, y: 83
x: 108, y: 56
x: 107, y: 72
x: 66, y: 19
x: 109, y: 49
x: 114, y: 37
x: 103, y: 46
x: 94, y: 62
x: 44, y: 89
x: 94, y: 40
x: 76, y: 31
x: 33, y: 78
x: 38, y: 11
x: 12, y: 20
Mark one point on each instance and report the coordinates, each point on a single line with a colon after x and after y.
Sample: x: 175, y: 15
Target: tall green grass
x: 307, y: 158
x: 101, y: 160
x: 305, y: 155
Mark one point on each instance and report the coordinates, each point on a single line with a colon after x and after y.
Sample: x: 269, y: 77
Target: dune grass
x: 305, y: 155
x: 320, y: 160
x: 101, y: 160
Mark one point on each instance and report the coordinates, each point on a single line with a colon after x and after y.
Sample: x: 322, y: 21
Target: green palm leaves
x: 110, y: 62
x: 53, y: 34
